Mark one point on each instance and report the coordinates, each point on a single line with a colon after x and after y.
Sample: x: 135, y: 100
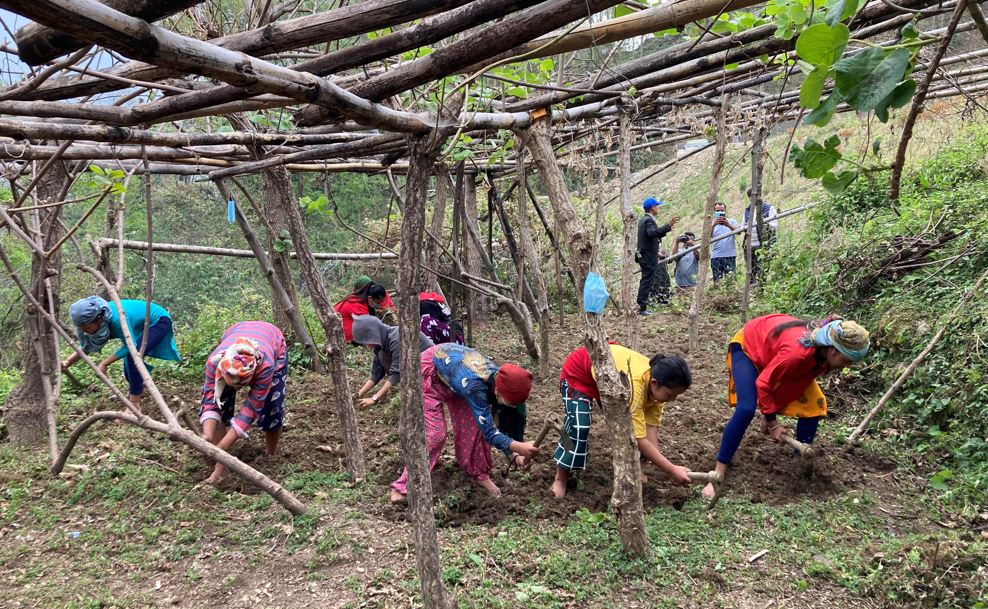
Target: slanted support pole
x: 708, y: 223
x: 626, y: 500
x: 755, y: 218
x: 630, y: 223
x: 332, y: 326
x: 423, y: 152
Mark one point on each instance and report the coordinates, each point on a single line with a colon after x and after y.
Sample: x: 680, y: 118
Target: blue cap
x: 649, y: 203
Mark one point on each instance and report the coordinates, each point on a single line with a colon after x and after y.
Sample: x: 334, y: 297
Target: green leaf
x: 476, y: 559
x: 666, y: 32
x: 839, y: 10
x: 97, y: 170
x: 815, y: 160
x: 622, y: 10
x: 939, y: 480
x: 822, y: 44
x: 797, y: 14
x: 909, y: 32
x: 279, y: 246
x: 899, y: 97
x: 876, y: 146
x: 731, y: 66
x: 825, y: 111
x: 835, y: 184
x: 877, y: 83
x: 520, y: 92
x: 812, y: 89
x: 547, y: 65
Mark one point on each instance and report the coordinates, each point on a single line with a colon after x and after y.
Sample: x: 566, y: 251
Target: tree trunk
x: 26, y: 408
x: 754, y: 216
x: 626, y: 500
x: 708, y: 223
x: 477, y: 304
x: 532, y: 261
x: 276, y: 185
x: 331, y: 323
x: 632, y: 319
x: 281, y: 294
x: 423, y: 152
x: 431, y: 280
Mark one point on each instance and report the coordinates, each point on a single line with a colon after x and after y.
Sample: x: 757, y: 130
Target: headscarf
x: 238, y: 361
x: 846, y: 336
x: 360, y: 282
x: 86, y: 311
x: 513, y: 383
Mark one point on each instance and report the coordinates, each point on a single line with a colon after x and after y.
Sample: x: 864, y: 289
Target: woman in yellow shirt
x: 654, y: 382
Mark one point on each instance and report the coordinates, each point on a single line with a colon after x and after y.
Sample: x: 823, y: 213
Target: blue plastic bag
x: 595, y: 294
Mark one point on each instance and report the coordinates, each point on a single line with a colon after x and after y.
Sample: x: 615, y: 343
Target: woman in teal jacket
x: 97, y: 322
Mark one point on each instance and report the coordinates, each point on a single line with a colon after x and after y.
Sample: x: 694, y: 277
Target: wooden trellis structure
x: 382, y: 104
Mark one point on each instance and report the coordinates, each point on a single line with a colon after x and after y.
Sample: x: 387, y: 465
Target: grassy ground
x: 130, y: 528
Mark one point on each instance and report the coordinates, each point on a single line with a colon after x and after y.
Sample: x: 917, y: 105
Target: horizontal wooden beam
x: 322, y: 27
x: 177, y: 248
x: 37, y: 44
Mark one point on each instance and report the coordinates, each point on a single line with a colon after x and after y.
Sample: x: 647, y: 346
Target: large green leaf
x: 839, y: 10
x: 622, y: 10
x: 899, y: 97
x: 879, y: 83
x: 850, y: 71
x: 825, y: 111
x: 822, y: 44
x: 814, y: 160
x: 812, y: 89
x: 835, y: 184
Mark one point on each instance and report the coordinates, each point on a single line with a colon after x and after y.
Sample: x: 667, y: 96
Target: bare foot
x: 215, y: 480
x: 558, y: 489
x: 489, y: 486
x: 708, y: 491
x: 397, y: 497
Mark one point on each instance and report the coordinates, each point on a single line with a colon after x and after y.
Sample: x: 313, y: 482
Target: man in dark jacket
x: 649, y: 235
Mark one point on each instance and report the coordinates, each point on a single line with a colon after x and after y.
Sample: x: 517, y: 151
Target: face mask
x: 96, y: 340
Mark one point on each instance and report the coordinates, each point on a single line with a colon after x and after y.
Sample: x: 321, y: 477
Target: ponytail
x: 670, y: 371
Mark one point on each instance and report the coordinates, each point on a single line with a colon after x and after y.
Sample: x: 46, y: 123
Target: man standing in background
x: 723, y: 253
x: 771, y: 224
x: 649, y: 235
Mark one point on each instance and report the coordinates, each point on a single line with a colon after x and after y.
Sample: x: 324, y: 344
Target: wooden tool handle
x: 550, y: 422
x: 791, y: 441
x: 703, y: 476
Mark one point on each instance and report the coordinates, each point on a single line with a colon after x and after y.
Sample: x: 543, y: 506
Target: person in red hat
x: 475, y: 390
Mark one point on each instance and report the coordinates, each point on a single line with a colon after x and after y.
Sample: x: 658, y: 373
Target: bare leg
x: 559, y: 484
x: 271, y: 441
x: 488, y: 485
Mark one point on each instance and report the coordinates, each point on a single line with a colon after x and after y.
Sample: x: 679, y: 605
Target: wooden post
x: 438, y: 220
x: 755, y: 219
x: 289, y: 308
x: 626, y: 501
x: 477, y: 304
x: 708, y: 222
x: 532, y: 260
x: 632, y: 319
x: 423, y: 152
x: 455, y: 246
x: 332, y: 326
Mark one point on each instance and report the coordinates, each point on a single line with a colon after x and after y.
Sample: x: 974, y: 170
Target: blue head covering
x: 849, y: 338
x: 86, y: 311
x: 649, y: 203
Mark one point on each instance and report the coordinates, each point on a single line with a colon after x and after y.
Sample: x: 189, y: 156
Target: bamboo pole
x: 176, y: 248
x: 708, y: 215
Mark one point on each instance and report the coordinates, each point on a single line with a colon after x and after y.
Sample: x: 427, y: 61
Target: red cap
x: 513, y: 383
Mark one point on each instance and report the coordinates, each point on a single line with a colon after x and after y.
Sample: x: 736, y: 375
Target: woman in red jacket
x: 365, y: 299
x: 773, y: 363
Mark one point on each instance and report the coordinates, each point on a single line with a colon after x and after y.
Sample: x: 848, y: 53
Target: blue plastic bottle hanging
x: 231, y: 211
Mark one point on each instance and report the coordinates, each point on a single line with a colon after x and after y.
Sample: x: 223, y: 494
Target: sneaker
x: 645, y: 312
